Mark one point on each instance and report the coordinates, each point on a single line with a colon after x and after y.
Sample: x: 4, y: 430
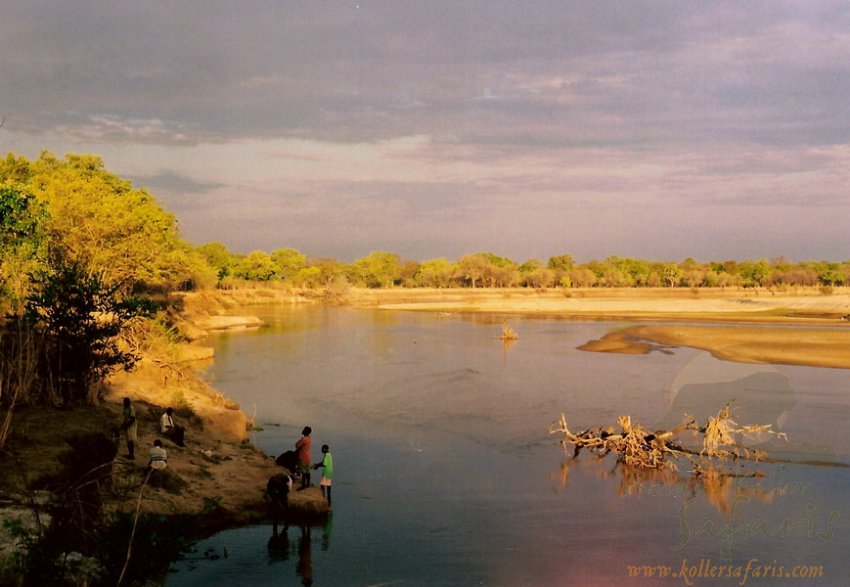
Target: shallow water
x: 445, y: 473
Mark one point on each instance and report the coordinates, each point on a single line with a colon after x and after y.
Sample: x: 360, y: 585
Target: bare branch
x: 638, y: 447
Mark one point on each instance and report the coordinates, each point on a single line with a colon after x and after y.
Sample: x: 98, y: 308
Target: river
x: 446, y: 473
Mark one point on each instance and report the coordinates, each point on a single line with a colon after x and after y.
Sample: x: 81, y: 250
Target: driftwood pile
x: 637, y: 447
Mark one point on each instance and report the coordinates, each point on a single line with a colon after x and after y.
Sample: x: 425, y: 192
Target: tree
x: 308, y: 277
x: 754, y: 274
x: 79, y: 316
x: 831, y: 276
x: 672, y: 275
x: 377, y: 269
x: 533, y: 273
x: 582, y: 277
x: 560, y: 266
x: 321, y: 271
x: 561, y: 263
x: 100, y: 221
x: 472, y: 269
x: 407, y: 273
x: 218, y: 257
x: 435, y: 273
x: 288, y: 262
x: 257, y: 266
x: 22, y: 244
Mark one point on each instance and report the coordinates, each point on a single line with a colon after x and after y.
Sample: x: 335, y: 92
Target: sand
x: 803, y: 327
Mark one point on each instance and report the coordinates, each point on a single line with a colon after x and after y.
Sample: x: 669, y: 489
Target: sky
x: 430, y: 128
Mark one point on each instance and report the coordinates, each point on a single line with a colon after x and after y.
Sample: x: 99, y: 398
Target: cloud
x: 433, y: 126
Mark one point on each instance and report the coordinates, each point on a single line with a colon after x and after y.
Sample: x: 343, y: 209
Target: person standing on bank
x: 170, y: 430
x: 302, y: 447
x: 129, y: 426
x: 327, y: 465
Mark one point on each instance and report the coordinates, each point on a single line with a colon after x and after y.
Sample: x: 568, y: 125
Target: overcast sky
x: 431, y: 128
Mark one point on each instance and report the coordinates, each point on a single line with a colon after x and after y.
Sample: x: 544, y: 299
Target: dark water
x: 445, y: 473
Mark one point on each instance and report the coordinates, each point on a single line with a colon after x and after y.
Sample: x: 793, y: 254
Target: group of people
x: 167, y: 427
x: 302, y: 449
x: 158, y: 457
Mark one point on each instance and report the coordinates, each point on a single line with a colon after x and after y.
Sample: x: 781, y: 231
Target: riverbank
x: 216, y: 481
x: 800, y: 327
x: 802, y: 306
x: 803, y: 327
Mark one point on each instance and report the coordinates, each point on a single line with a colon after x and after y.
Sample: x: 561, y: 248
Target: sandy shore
x: 803, y: 327
x: 636, y: 303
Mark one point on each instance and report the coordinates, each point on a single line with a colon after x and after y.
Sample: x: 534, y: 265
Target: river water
x: 446, y: 473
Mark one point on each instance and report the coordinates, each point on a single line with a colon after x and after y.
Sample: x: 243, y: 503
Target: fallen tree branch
x: 636, y: 446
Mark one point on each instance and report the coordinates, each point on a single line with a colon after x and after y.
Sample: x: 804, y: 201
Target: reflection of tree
x: 719, y: 486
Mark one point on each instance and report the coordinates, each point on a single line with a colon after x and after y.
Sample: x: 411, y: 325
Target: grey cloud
x: 337, y: 72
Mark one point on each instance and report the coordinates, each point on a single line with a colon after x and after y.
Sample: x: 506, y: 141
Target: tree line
x: 71, y: 211
x: 381, y: 269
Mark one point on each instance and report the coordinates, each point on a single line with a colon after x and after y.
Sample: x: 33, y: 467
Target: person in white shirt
x: 170, y: 430
x: 158, y: 456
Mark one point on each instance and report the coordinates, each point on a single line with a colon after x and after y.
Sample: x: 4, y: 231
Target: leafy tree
x: 79, y: 316
x: 257, y: 266
x: 22, y: 243
x: 831, y: 276
x: 530, y: 265
x: 308, y: 277
x: 288, y: 262
x: 328, y: 272
x: 609, y: 274
x: 694, y: 277
x: 533, y: 273
x: 472, y: 269
x: 672, y: 275
x: 540, y: 278
x: 754, y: 274
x: 582, y: 277
x: 218, y: 257
x: 561, y: 263
x: 653, y: 279
x: 636, y: 270
x: 377, y: 269
x: 407, y: 273
x: 98, y: 220
x: 435, y: 273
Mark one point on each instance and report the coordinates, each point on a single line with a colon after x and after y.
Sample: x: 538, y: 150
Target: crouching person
x: 158, y: 456
x: 278, y: 489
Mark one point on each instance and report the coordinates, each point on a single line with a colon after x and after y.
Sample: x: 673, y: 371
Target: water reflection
x: 281, y: 549
x: 719, y: 486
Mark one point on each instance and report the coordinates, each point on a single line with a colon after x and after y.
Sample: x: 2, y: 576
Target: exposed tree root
x: 637, y: 447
